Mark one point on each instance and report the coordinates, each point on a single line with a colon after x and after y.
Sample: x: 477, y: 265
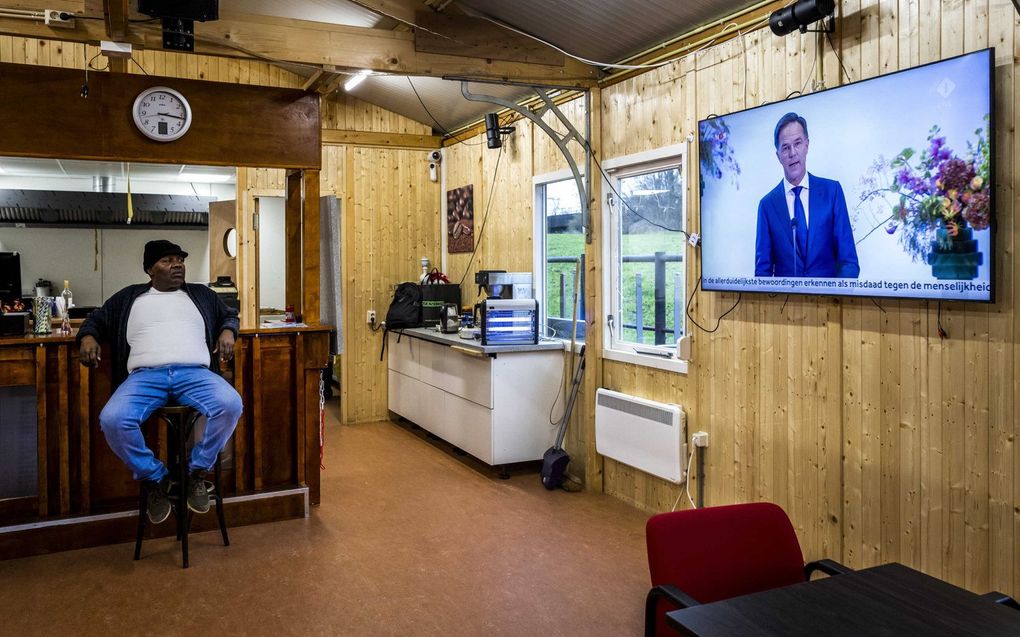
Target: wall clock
x: 162, y: 114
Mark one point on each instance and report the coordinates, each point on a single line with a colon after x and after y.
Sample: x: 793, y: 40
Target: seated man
x: 164, y: 336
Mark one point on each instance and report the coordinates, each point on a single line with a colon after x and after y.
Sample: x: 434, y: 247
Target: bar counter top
x: 56, y: 337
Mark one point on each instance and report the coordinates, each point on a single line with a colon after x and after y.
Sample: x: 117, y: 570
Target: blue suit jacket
x: 830, y: 246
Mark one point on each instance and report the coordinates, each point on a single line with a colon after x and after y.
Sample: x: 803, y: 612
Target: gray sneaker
x: 198, y: 494
x: 157, y: 501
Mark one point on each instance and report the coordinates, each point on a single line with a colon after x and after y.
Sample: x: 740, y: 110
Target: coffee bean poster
x: 460, y: 219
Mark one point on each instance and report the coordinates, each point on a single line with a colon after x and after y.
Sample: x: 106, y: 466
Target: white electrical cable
x: 22, y: 14
x: 687, y: 480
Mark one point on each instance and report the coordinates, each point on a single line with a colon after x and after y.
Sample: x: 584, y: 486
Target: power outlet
x: 370, y: 318
x: 57, y: 18
x: 700, y: 438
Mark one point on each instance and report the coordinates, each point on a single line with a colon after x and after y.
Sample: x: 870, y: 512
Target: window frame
x: 539, y: 182
x: 616, y: 168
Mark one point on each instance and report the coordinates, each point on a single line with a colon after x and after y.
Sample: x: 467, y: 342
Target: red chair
x: 704, y: 555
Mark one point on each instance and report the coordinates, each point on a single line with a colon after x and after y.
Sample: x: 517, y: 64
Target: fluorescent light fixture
x: 204, y: 178
x: 350, y: 84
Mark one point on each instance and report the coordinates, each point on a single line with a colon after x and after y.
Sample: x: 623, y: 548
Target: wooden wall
x: 882, y: 441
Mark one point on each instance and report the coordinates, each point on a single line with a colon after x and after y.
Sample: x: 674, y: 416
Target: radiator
x: 643, y: 434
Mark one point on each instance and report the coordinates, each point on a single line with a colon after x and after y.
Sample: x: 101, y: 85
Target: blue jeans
x: 148, y: 389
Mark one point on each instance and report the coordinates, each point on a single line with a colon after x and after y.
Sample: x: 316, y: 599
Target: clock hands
x: 169, y: 115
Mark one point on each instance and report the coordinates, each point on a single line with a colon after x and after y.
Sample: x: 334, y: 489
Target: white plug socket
x: 370, y: 318
x: 700, y: 438
x: 57, y: 18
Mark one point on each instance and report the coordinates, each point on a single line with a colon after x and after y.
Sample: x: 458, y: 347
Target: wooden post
x: 310, y: 245
x: 292, y: 223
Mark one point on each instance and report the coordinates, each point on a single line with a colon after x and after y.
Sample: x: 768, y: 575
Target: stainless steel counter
x: 434, y: 335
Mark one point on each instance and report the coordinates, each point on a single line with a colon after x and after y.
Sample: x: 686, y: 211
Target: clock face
x: 162, y: 114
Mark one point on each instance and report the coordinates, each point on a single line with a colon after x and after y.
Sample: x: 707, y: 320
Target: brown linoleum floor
x: 409, y: 540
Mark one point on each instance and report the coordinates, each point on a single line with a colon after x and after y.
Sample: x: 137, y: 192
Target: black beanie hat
x: 156, y: 250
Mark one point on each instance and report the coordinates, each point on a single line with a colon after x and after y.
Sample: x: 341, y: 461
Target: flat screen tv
x: 880, y: 188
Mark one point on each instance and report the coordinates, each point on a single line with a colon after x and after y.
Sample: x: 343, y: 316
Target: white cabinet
x: 494, y: 407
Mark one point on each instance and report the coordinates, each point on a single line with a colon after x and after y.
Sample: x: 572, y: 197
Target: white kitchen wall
x: 98, y: 263
x: 272, y: 252
x: 56, y: 254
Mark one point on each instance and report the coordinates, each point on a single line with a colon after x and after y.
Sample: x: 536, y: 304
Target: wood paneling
x: 390, y: 219
x: 44, y: 116
x: 78, y: 473
x: 882, y: 441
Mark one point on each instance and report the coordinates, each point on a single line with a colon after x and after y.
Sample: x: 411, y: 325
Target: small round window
x: 230, y: 243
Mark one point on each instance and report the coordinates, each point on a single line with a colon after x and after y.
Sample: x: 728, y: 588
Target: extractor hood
x: 68, y: 209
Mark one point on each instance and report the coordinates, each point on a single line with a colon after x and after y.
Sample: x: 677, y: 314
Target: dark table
x: 885, y: 600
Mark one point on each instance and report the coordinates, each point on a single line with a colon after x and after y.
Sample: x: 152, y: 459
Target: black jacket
x: 109, y: 323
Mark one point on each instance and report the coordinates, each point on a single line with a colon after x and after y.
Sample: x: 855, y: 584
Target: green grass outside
x: 634, y: 244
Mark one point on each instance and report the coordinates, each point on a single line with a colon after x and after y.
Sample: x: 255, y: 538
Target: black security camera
x: 799, y: 15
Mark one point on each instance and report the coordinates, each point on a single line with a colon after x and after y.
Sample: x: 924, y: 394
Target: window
x: 646, y: 258
x: 559, y: 253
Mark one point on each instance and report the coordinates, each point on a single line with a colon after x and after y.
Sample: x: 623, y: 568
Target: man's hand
x: 88, y: 354
x: 224, y: 345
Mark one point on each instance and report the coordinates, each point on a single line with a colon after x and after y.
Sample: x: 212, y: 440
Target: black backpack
x: 404, y: 311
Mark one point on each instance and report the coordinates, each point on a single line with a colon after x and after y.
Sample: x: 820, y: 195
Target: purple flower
x: 977, y: 213
x: 904, y: 177
x: 955, y: 174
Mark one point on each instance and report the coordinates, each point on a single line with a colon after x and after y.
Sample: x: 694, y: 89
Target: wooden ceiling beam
x: 333, y: 136
x: 464, y: 35
x: 315, y: 43
x: 399, y: 10
x: 115, y: 14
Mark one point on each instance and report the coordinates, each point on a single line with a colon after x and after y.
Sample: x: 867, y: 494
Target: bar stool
x: 180, y: 421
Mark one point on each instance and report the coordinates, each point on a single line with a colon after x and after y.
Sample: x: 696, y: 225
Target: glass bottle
x: 424, y: 278
x: 65, y: 324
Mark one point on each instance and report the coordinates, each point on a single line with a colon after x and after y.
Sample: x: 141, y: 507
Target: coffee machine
x: 500, y: 284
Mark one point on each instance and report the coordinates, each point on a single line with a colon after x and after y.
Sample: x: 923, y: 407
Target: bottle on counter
x: 65, y: 325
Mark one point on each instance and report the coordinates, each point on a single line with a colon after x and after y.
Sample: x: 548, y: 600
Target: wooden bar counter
x: 84, y: 496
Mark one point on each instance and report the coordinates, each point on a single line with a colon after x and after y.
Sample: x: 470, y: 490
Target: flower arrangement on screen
x: 715, y: 153
x: 936, y: 189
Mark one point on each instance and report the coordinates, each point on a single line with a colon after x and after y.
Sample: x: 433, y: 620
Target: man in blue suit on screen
x: 803, y: 224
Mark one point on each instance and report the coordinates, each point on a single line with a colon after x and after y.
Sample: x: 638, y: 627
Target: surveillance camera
x: 433, y: 171
x: 436, y: 156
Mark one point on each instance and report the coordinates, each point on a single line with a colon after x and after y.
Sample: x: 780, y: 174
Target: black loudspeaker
x: 200, y: 10
x: 492, y: 130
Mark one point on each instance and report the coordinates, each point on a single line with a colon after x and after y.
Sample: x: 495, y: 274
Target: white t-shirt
x: 165, y: 328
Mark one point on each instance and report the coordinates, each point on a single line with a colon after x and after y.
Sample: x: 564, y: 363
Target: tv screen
x: 883, y: 188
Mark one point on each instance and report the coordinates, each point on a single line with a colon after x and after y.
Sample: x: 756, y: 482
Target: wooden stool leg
x: 184, y: 515
x: 141, y: 522
x: 219, y: 502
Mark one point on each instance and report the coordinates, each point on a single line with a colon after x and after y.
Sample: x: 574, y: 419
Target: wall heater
x: 643, y: 434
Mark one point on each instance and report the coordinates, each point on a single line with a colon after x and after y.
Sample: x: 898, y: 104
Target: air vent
x: 101, y: 209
